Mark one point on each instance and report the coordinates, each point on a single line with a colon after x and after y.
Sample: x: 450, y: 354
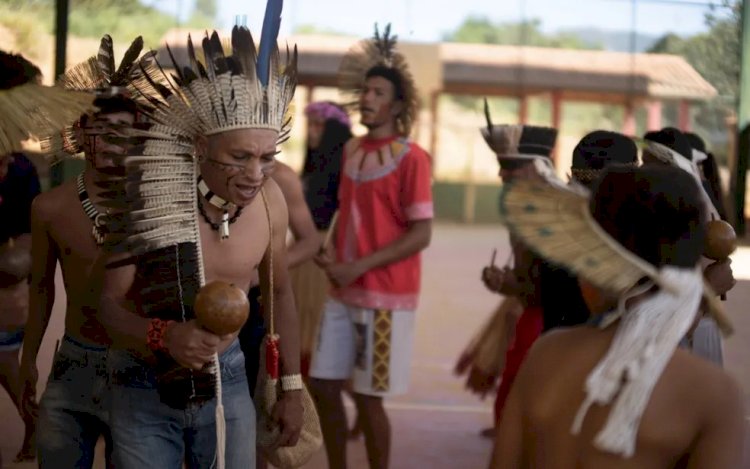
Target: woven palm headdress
x: 28, y: 109
x: 155, y: 201
x: 380, y: 51
x: 99, y: 75
x: 559, y: 223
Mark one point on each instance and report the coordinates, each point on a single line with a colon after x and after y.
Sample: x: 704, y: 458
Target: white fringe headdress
x: 556, y: 222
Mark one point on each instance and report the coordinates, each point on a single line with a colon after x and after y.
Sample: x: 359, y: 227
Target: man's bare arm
x: 508, y: 451
x: 285, y: 313
x: 720, y: 444
x: 306, y: 237
x: 44, y: 256
x: 112, y: 282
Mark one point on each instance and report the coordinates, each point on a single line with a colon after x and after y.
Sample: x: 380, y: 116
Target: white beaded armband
x: 291, y: 382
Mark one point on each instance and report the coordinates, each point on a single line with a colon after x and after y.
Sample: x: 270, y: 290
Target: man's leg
x: 385, y: 341
x: 330, y: 405
x: 376, y: 428
x: 146, y: 433
x: 239, y: 417
x: 332, y: 363
x: 9, y: 379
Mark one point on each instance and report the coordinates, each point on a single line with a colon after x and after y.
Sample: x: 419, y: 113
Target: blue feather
x: 268, y: 36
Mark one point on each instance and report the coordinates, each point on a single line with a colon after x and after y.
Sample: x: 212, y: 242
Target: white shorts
x: 372, y: 347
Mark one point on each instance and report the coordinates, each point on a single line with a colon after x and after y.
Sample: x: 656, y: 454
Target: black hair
x: 335, y: 136
x: 672, y: 138
x: 111, y: 105
x: 653, y: 211
x: 17, y: 71
x: 391, y: 75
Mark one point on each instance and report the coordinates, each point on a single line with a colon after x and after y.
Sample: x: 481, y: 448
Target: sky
x: 428, y: 20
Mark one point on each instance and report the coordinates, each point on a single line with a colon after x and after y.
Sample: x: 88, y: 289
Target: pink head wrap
x: 328, y: 110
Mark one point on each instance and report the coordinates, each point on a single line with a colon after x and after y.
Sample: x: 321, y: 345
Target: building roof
x: 510, y: 70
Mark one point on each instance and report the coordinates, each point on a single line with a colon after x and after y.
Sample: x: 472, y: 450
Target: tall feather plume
x: 268, y: 36
x: 243, y: 50
x: 386, y: 44
x: 106, y: 56
x: 127, y: 62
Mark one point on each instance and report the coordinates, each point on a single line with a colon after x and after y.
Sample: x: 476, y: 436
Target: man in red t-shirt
x: 384, y: 221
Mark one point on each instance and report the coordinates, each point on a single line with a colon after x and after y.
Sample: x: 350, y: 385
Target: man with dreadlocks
x: 385, y: 220
x: 198, y: 207
x: 66, y: 227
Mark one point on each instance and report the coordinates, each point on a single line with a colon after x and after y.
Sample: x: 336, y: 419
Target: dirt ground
x: 436, y: 425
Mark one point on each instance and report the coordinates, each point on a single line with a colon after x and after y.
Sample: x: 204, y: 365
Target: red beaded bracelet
x: 155, y: 335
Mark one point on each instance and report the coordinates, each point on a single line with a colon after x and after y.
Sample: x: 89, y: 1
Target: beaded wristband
x: 291, y: 382
x: 155, y: 335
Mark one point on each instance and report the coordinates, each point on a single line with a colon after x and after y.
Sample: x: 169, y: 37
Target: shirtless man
x: 694, y: 416
x: 74, y: 404
x: 164, y: 402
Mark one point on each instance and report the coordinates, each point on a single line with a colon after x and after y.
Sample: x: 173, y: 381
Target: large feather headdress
x: 249, y: 89
x: 380, y: 50
x: 155, y: 199
x: 98, y: 74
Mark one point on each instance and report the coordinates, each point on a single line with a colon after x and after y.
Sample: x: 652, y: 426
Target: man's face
x: 236, y: 163
x: 315, y: 127
x: 103, y: 137
x: 514, y: 169
x: 377, y: 103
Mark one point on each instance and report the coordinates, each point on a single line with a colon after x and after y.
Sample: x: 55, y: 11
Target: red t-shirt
x: 385, y: 184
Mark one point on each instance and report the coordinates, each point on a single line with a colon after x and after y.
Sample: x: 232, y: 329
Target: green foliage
x: 122, y: 19
x: 478, y: 29
x: 715, y: 55
x: 313, y: 29
x: 206, y: 8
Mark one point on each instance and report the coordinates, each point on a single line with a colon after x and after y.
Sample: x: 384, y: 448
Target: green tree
x: 207, y: 8
x: 478, y: 29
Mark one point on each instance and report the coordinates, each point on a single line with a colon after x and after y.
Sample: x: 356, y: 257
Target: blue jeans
x: 73, y: 410
x: 150, y: 434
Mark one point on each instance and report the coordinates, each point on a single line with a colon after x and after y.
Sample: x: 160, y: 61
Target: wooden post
x: 628, y: 121
x: 470, y: 188
x: 654, y: 115
x: 523, y: 109
x: 556, y: 119
x: 683, y: 117
x: 57, y: 171
x: 739, y: 168
x: 434, y: 123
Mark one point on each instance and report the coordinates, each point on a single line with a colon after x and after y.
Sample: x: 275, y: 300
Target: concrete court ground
x: 436, y: 425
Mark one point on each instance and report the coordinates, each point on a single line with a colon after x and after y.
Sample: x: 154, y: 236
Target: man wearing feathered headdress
x: 197, y: 206
x: 66, y: 227
x: 385, y: 214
